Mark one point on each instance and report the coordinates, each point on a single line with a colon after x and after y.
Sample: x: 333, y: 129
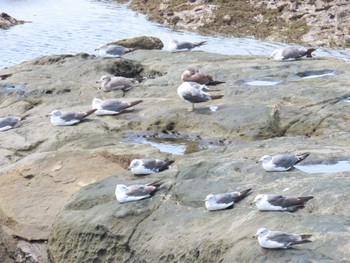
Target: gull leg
x: 191, y: 108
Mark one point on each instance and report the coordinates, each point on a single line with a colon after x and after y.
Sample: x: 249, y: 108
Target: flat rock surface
x: 58, y: 183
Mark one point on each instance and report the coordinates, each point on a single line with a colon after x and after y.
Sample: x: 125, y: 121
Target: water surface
x: 74, y: 26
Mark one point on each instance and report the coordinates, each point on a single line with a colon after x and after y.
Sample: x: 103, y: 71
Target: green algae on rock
x: 143, y: 42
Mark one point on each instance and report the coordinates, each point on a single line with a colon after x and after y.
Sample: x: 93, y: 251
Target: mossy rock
x: 143, y: 42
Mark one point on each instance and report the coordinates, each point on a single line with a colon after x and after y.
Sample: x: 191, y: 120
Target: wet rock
x: 144, y: 42
x: 6, y: 21
x: 57, y: 183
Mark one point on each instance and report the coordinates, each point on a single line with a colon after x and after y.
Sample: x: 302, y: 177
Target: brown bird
x: 192, y: 74
x: 116, y: 83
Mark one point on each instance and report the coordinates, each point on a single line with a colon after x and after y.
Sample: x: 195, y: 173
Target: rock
x: 57, y: 183
x: 316, y: 23
x: 6, y: 21
x: 144, y: 42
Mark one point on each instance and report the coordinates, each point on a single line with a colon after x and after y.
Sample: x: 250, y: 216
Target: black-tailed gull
x: 224, y: 200
x: 175, y: 45
x: 282, y: 162
x: 137, y: 192
x: 192, y: 92
x: 112, y: 106
x: 108, y: 50
x: 275, y: 202
x: 290, y: 53
x: 59, y: 118
x: 11, y: 122
x: 192, y: 74
x: 278, y: 239
x: 149, y: 166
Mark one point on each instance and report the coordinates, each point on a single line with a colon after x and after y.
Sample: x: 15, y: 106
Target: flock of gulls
x: 194, y: 89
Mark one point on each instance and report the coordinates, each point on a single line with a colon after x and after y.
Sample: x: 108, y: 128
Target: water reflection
x: 67, y: 26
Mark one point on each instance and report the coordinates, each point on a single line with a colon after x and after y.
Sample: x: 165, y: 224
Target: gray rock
x: 57, y: 183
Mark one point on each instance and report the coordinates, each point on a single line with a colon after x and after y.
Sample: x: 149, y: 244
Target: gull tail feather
x: 302, y: 157
x: 215, y: 82
x: 242, y: 195
x: 301, y: 242
x: 309, y: 51
x: 133, y: 103
x: 23, y: 117
x: 131, y: 50
x: 90, y: 112
x: 156, y: 183
x: 166, y: 165
x: 198, y: 44
x: 216, y: 97
x: 304, y: 199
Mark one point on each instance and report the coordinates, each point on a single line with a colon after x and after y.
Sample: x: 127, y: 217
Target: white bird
x: 10, y: 122
x: 175, y: 45
x: 282, y: 162
x: 291, y: 53
x: 278, y: 239
x: 193, y: 92
x: 59, y: 118
x: 274, y: 202
x: 192, y: 74
x: 112, y: 106
x: 130, y: 193
x: 116, y: 83
x: 149, y: 166
x: 110, y: 50
x: 224, y: 200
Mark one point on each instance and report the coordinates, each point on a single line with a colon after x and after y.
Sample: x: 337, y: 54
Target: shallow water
x: 340, y: 166
x: 70, y: 27
x: 262, y: 83
x: 177, y: 146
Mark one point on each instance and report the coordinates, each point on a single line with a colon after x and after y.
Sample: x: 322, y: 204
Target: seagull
x: 281, y: 163
x: 224, y: 200
x: 108, y: 50
x: 274, y: 202
x: 116, y: 83
x: 149, y: 166
x: 193, y: 92
x: 192, y: 74
x: 130, y: 193
x: 112, y: 106
x: 7, y: 123
x: 175, y: 45
x: 291, y: 53
x: 278, y: 239
x: 59, y: 118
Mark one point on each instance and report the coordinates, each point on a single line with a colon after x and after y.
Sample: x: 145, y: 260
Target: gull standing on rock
x: 107, y: 50
x: 281, y: 163
x: 112, y: 106
x: 116, y: 83
x: 291, y: 53
x: 130, y: 193
x: 274, y: 202
x: 7, y: 123
x: 278, y: 239
x: 175, y: 45
x: 224, y: 200
x: 149, y: 166
x: 192, y: 74
x: 59, y: 118
x: 192, y: 92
